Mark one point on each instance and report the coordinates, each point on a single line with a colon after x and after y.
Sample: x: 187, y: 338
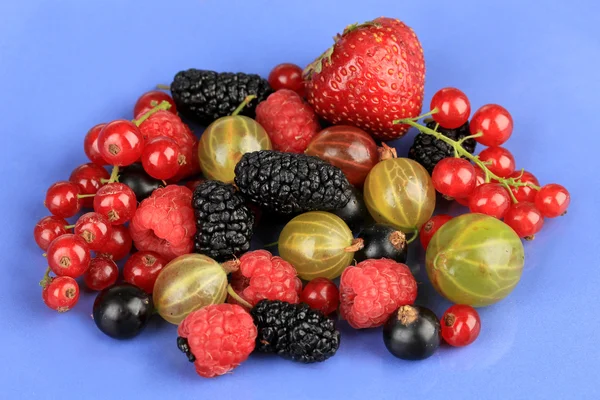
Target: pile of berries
x: 180, y: 231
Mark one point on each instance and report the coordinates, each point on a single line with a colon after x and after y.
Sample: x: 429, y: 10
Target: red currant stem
x: 83, y: 196
x: 46, y: 279
x: 244, y: 103
x: 271, y: 244
x: 512, y: 195
x: 69, y: 226
x: 45, y: 255
x: 164, y: 105
x: 489, y: 175
x: 430, y: 113
x: 480, y: 134
x: 114, y: 175
x: 103, y: 180
x: 238, y: 298
x: 163, y: 87
x: 413, y: 237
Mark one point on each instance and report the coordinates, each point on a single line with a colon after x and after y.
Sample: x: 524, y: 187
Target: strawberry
x: 372, y: 75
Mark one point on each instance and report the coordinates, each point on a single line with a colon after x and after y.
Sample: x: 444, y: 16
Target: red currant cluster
x: 69, y: 247
x: 488, y: 183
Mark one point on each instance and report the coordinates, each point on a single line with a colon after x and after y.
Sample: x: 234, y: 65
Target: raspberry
x: 262, y: 276
x: 217, y: 338
x: 164, y: 222
x: 290, y: 122
x: 165, y: 123
x: 372, y: 290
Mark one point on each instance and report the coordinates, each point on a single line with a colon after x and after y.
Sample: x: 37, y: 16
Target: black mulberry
x: 291, y: 183
x: 223, y: 220
x: 205, y: 96
x: 294, y: 331
x: 428, y: 151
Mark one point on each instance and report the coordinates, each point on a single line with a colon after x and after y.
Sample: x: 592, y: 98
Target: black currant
x: 139, y: 181
x: 382, y: 241
x: 412, y: 333
x: 122, y: 311
x: 354, y: 213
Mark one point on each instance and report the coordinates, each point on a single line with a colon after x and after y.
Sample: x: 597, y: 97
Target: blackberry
x: 184, y: 347
x: 428, y: 151
x: 204, y: 96
x: 223, y: 220
x: 291, y: 183
x: 294, y: 331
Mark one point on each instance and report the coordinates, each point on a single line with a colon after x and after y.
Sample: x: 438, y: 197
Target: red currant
x: 460, y: 325
x: 47, y: 229
x: 429, y: 228
x: 552, y: 200
x: 102, y: 273
x: 151, y: 99
x: 479, y: 180
x: 143, y: 268
x: 454, y: 177
x: 115, y: 201
x: 321, y: 294
x: 524, y: 193
x: 287, y: 76
x: 490, y: 199
x: 61, y: 293
x: 95, y: 229
x: 120, y: 143
x: 68, y: 255
x: 498, y: 160
x: 119, y: 244
x: 525, y: 219
x: 62, y: 199
x: 162, y: 158
x: 453, y: 108
x: 90, y: 145
x: 494, y: 122
x: 89, y: 179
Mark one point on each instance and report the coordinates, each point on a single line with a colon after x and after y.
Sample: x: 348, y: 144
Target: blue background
x: 67, y: 65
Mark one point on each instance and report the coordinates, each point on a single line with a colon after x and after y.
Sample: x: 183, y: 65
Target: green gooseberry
x: 475, y: 259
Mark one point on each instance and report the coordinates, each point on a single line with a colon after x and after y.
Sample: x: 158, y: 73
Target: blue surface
x: 67, y: 65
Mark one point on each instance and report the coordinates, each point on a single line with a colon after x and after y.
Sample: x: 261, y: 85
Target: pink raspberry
x: 217, y: 338
x: 262, y: 276
x: 164, y: 222
x: 289, y: 120
x: 372, y: 290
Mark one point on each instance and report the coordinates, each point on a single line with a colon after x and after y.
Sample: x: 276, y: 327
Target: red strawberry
x: 373, y: 74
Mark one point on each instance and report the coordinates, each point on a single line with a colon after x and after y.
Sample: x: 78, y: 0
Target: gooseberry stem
x: 271, y: 244
x: 238, y: 298
x: 244, y: 103
x: 413, y: 237
x: 164, y: 105
x: 460, y: 151
x: 162, y: 86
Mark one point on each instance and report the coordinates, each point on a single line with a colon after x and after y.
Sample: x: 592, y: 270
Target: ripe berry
x: 88, y: 177
x: 499, y: 160
x: 119, y: 243
x: 453, y: 108
x: 90, y: 145
x: 490, y: 199
x: 412, y: 333
x: 429, y: 228
x: 382, y: 241
x: 162, y: 158
x: 321, y: 294
x: 460, y: 325
x: 102, y: 273
x: 139, y: 181
x: 525, y: 219
x: 143, y: 268
x: 62, y: 199
x: 95, y: 229
x: 68, y: 255
x: 524, y: 193
x: 552, y: 200
x: 151, y: 99
x: 454, y: 177
x: 120, y: 143
x: 287, y: 76
x: 122, y: 311
x: 494, y: 122
x: 115, y: 201
x: 479, y: 180
x: 61, y: 294
x: 47, y: 229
